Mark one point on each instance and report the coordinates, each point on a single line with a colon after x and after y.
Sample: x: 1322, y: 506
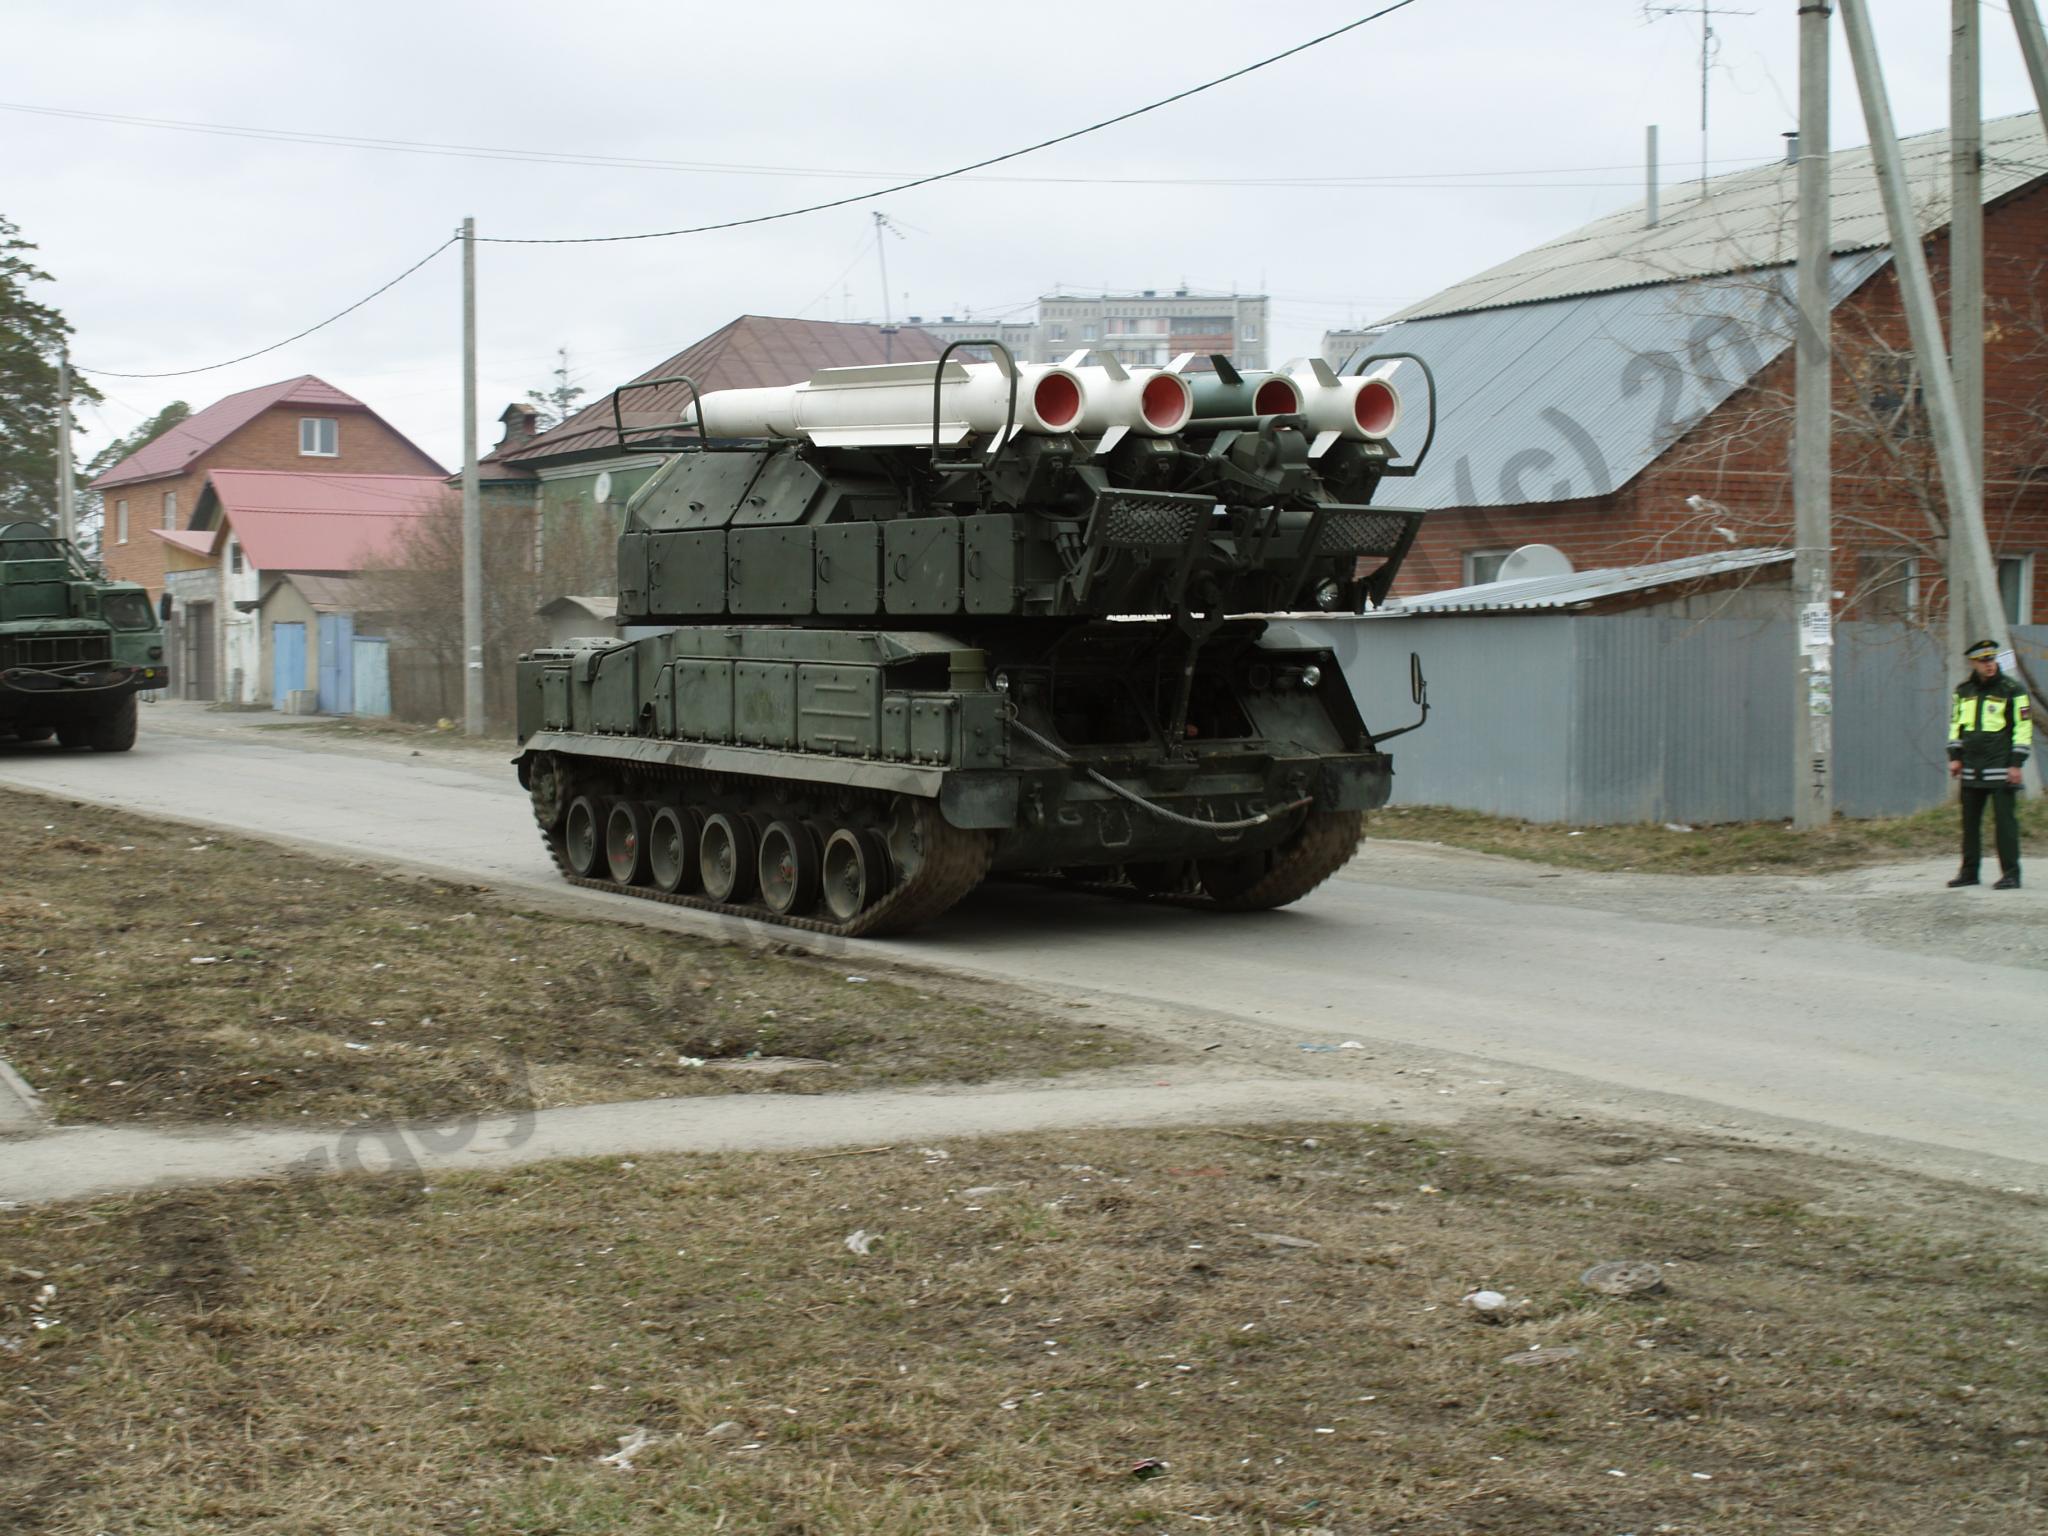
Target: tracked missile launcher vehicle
x: 934, y: 621
x: 75, y: 648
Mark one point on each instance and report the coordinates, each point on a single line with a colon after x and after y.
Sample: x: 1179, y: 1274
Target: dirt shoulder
x: 1241, y: 1331
x: 1899, y: 904
x: 160, y: 973
x: 1733, y: 848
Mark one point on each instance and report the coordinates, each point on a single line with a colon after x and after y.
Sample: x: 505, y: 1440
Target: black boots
x: 2007, y: 882
x: 1962, y: 879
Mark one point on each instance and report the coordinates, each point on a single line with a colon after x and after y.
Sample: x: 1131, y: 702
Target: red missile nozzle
x: 1376, y: 406
x: 1276, y: 397
x: 1057, y: 401
x: 1165, y: 402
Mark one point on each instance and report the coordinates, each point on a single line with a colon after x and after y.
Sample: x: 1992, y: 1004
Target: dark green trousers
x: 2005, y: 821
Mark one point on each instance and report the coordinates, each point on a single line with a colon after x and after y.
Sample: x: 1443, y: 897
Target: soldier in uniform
x: 1990, y: 733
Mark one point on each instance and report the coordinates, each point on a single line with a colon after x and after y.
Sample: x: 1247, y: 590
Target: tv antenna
x: 884, y: 225
x: 1710, y: 47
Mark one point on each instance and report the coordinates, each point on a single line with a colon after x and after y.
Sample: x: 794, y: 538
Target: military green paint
x: 764, y: 703
x: 769, y: 570
x: 840, y: 709
x: 703, y: 703
x: 921, y: 566
x: 849, y: 568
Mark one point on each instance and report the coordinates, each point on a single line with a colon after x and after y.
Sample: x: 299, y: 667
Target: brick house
x: 302, y: 424
x: 1624, y: 392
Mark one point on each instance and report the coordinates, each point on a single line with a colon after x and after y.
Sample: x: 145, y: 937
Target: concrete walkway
x: 96, y: 1160
x: 21, y: 1107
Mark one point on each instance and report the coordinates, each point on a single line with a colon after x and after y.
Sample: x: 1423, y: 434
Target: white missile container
x: 890, y: 405
x: 1151, y: 402
x: 1361, y: 408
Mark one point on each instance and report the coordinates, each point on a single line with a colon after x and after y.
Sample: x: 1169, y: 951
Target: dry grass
x: 1735, y: 848
x: 155, y: 972
x: 1036, y: 1318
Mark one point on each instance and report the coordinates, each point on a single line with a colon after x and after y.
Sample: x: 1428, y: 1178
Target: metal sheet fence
x: 1596, y: 720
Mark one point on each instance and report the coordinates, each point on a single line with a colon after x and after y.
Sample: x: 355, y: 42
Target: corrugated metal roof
x: 1532, y: 594
x: 1574, y: 397
x: 290, y: 521
x: 1742, y: 221
x: 329, y: 594
x: 174, y: 451
x: 753, y: 350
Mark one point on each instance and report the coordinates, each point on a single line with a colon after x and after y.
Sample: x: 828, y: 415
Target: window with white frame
x: 121, y: 521
x: 2016, y: 588
x: 1249, y: 330
x: 170, y: 509
x: 318, y: 437
x: 1483, y: 565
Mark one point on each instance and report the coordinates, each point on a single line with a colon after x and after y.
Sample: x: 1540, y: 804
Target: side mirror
x: 1418, y: 690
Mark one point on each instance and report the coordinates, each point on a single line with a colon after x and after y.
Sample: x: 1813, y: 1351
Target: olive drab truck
x: 75, y: 648
x: 922, y: 623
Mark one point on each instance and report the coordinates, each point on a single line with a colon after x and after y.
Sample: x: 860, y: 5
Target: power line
x: 583, y: 159
x: 924, y: 181
x: 179, y: 373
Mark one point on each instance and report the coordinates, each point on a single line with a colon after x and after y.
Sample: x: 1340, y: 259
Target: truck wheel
x: 115, y: 730
x: 74, y: 735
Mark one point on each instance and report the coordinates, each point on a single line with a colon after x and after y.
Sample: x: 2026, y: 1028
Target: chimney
x: 1650, y: 177
x: 520, y: 425
x: 1792, y: 147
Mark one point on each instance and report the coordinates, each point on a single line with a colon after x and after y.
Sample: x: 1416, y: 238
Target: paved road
x: 1580, y: 989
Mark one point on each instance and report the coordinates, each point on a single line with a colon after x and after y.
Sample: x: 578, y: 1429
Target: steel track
x: 954, y: 863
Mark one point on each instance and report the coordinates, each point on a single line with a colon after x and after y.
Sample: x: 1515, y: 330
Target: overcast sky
x: 1507, y: 122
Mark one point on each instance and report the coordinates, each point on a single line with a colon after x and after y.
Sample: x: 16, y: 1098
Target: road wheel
x: 725, y: 857
x: 114, y: 731
x: 583, y: 837
x: 672, y: 849
x: 854, y: 873
x: 625, y: 842
x: 788, y: 867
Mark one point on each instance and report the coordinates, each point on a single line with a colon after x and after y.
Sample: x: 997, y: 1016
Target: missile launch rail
x: 925, y: 622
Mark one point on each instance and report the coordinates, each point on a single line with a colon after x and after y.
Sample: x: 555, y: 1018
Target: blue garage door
x: 373, y: 677
x: 337, y: 664
x: 287, y: 663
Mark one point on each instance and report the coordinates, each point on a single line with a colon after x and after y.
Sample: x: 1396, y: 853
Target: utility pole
x: 2027, y: 22
x: 884, y: 227
x: 1965, y: 276
x: 1813, y: 787
x: 1909, y: 261
x: 472, y: 507
x: 67, y: 516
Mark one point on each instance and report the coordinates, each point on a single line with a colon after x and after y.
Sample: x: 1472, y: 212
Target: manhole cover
x: 1623, y: 1277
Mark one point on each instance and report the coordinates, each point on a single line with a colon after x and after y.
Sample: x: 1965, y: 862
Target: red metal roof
x: 173, y: 453
x: 291, y: 520
x: 753, y: 350
x: 198, y: 541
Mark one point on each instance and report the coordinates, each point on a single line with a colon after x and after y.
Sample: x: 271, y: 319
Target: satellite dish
x: 602, y: 491
x: 1534, y: 560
